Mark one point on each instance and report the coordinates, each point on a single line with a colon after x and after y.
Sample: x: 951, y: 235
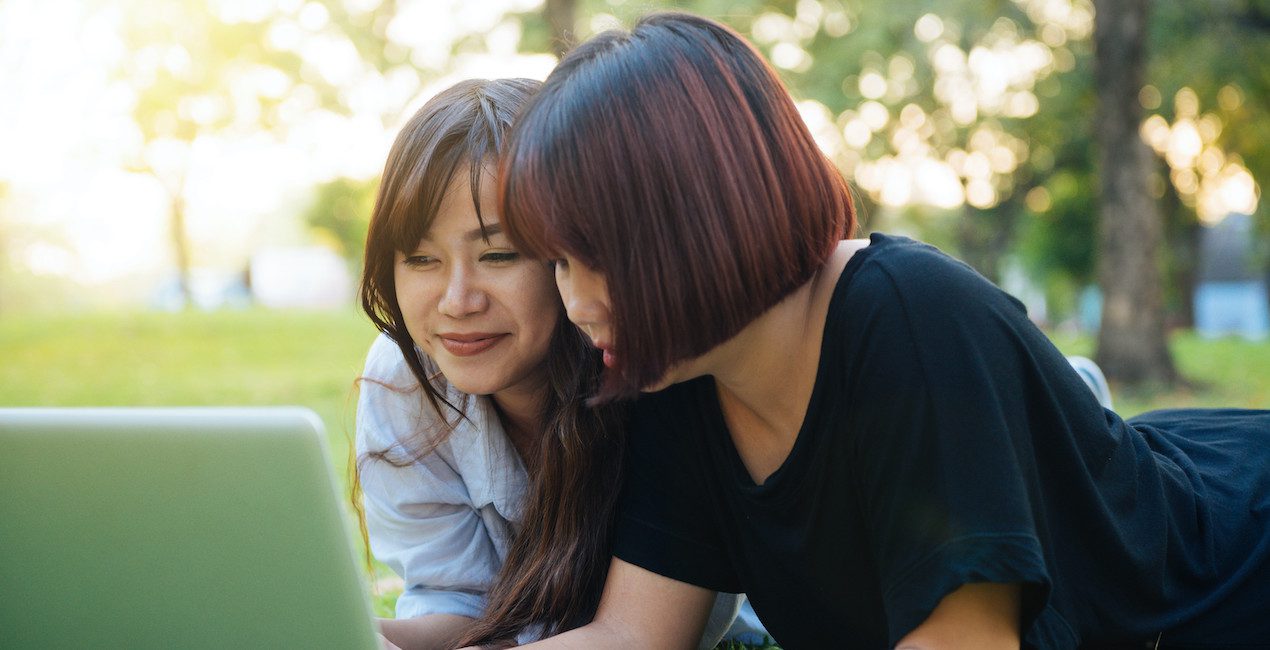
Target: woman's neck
x: 772, y: 361
x: 520, y: 411
x: 765, y: 374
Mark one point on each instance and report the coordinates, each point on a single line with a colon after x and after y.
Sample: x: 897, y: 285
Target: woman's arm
x: 430, y: 632
x: 640, y: 609
x: 977, y: 615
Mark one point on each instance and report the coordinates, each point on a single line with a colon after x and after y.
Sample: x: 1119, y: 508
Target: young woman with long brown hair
x: 887, y: 451
x: 487, y: 484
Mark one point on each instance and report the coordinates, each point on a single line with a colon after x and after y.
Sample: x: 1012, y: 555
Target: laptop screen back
x: 165, y: 528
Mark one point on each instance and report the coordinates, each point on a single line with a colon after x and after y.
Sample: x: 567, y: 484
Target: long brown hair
x: 558, y: 559
x: 672, y: 159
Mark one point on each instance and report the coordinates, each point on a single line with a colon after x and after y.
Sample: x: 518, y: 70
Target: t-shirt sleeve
x: 419, y: 516
x: 943, y: 459
x: 665, y: 523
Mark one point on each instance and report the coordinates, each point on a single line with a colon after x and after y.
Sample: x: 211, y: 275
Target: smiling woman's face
x: 471, y: 302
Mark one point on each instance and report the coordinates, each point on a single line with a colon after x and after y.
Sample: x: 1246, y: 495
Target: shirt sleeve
x: 665, y: 523
x: 419, y: 516
x: 944, y: 462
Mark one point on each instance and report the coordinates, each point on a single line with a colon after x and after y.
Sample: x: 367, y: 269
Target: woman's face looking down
x: 480, y: 310
x: 586, y: 300
x: 585, y: 293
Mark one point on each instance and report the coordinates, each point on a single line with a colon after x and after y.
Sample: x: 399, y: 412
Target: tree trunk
x: 181, y: 247
x: 561, y: 15
x: 1132, y: 345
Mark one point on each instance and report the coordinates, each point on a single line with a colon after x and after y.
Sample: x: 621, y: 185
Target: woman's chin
x: 670, y: 378
x: 474, y: 383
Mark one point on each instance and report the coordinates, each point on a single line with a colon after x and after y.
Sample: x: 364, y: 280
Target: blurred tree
x: 340, y: 215
x: 1132, y: 346
x: 1211, y: 124
x: 214, y: 70
x: 196, y: 73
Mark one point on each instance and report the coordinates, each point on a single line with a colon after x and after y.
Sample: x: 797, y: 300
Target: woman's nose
x: 585, y: 297
x: 463, y: 295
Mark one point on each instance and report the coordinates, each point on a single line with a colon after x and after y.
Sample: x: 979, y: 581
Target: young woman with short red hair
x: 865, y: 436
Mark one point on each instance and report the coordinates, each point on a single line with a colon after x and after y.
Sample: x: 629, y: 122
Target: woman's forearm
x: 431, y: 632
x: 595, y: 634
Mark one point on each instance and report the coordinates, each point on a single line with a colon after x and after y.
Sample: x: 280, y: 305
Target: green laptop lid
x: 174, y: 528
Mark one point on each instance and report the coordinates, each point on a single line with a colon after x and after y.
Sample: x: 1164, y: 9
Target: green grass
x: 1219, y: 372
x: 259, y: 357
x: 192, y: 358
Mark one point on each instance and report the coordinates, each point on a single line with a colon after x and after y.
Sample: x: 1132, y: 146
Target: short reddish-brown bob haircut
x: 672, y: 159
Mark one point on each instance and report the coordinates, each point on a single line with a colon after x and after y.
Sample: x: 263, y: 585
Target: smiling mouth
x: 467, y: 345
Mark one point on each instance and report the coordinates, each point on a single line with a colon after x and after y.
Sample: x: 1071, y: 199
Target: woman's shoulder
x: 393, y: 401
x: 908, y: 260
x: 916, y: 277
x: 385, y: 362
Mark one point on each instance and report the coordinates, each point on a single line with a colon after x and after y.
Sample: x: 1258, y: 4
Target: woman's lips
x: 609, y: 359
x: 466, y: 345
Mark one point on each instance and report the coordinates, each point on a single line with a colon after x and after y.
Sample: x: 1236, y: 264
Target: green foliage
x: 1056, y: 244
x: 190, y: 70
x: 340, y: 214
x: 1207, y: 46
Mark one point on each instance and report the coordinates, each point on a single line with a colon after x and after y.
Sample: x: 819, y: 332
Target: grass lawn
x: 259, y: 357
x: 1219, y: 372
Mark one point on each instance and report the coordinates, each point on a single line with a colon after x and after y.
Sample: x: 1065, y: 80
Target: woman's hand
x: 385, y: 644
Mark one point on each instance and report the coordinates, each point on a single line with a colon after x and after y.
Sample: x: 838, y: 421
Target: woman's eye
x: 419, y: 261
x: 500, y: 256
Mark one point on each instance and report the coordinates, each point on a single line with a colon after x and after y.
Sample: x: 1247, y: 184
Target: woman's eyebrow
x: 486, y: 232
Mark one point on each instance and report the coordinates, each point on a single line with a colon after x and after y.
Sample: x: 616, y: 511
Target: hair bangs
x: 526, y: 202
x: 415, y: 205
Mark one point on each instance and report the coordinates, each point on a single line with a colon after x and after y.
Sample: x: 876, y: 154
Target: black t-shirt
x: 947, y: 441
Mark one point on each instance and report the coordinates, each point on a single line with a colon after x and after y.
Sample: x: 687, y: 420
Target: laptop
x: 174, y: 528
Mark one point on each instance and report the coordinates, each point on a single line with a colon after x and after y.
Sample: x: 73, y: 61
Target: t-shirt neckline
x: 779, y: 483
